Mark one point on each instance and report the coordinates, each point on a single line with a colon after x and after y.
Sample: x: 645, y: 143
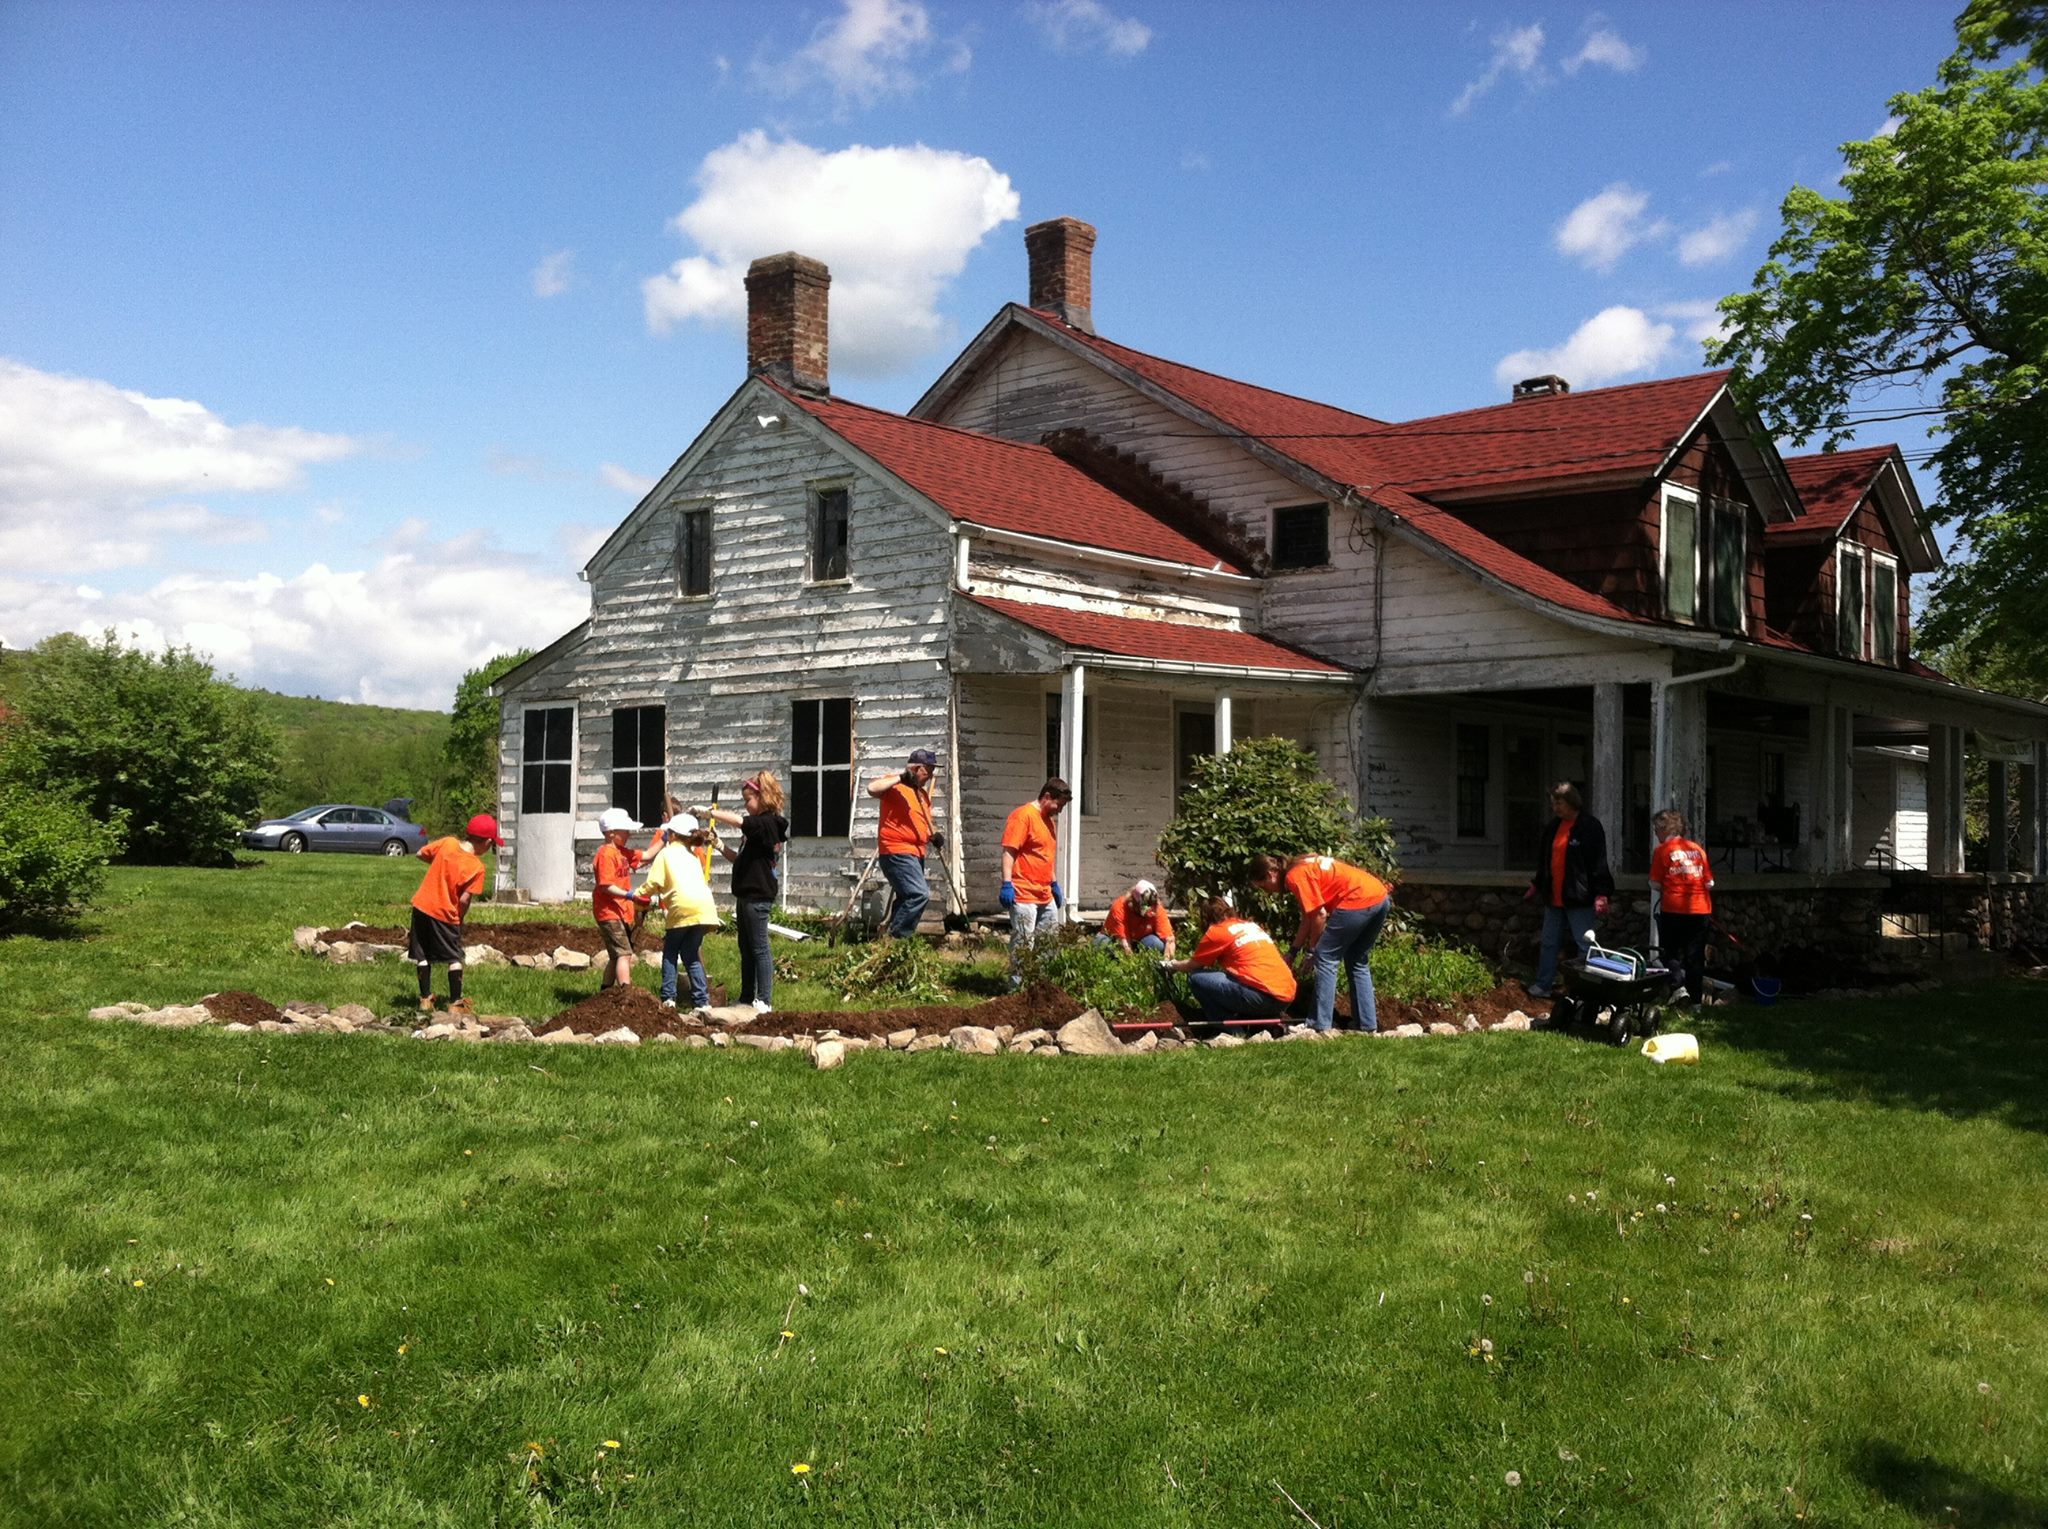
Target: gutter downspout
x: 1661, y: 771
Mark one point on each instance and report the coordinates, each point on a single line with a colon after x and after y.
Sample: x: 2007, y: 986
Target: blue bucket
x: 1766, y: 989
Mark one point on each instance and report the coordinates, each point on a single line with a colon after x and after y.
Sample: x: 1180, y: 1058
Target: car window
x: 339, y: 815
x: 372, y: 815
x: 304, y: 814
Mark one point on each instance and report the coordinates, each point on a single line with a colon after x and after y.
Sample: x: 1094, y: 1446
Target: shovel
x: 956, y: 919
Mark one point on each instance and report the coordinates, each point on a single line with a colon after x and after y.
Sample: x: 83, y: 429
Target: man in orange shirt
x: 455, y: 874
x: 1343, y: 910
x: 611, y: 894
x: 905, y: 834
x: 1250, y: 979
x: 1685, y: 883
x: 1138, y: 921
x: 1031, y: 888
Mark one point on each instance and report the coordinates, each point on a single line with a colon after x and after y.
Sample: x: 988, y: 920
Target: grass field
x: 1502, y: 1279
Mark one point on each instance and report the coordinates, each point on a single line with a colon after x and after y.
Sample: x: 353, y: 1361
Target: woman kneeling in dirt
x: 1236, y: 971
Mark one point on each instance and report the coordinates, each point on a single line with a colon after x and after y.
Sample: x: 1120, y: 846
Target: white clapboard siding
x: 1909, y: 831
x: 1110, y: 592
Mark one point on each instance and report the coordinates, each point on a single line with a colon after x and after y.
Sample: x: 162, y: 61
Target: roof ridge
x: 836, y: 402
x: 1398, y: 427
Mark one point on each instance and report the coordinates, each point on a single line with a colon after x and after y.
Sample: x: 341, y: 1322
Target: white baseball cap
x: 1144, y: 888
x: 616, y: 820
x: 681, y: 823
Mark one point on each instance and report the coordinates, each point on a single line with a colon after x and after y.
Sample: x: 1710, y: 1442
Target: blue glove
x: 1008, y: 896
x: 1059, y: 898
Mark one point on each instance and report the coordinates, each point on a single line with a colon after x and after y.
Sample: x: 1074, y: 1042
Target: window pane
x: 1728, y: 569
x: 803, y: 804
x: 803, y: 748
x: 828, y: 543
x: 536, y: 734
x: 1884, y: 612
x: 1474, y: 756
x: 693, y: 552
x: 626, y: 737
x: 558, y: 733
x: 530, y: 788
x: 1681, y: 520
x: 835, y: 742
x: 835, y: 807
x: 1849, y: 604
x: 1301, y: 536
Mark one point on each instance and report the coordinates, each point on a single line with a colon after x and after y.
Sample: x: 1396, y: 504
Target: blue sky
x: 334, y: 337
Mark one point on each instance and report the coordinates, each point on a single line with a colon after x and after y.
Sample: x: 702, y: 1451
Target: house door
x: 1194, y: 737
x: 546, y: 845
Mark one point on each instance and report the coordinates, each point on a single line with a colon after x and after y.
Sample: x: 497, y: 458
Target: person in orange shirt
x: 1138, y: 921
x: 906, y: 832
x: 455, y: 874
x: 1343, y: 910
x: 1236, y: 970
x: 611, y: 894
x: 1031, y: 888
x: 1572, y: 881
x: 1685, y: 884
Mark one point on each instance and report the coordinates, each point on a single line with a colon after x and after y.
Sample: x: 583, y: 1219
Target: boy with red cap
x: 455, y: 874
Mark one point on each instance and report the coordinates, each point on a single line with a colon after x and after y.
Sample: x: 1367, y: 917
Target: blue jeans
x: 1223, y: 997
x: 905, y: 875
x: 1347, y: 941
x: 1554, y: 922
x: 683, y: 947
x: 1150, y: 942
x: 1028, y: 921
x: 757, y: 963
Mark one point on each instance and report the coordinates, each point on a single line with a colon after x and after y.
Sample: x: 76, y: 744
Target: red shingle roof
x: 1006, y: 485
x: 1830, y: 485
x: 1167, y: 641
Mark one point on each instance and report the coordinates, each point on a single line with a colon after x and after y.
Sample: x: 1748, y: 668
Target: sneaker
x: 462, y: 1006
x: 669, y: 1004
x: 762, y: 1006
x: 426, y: 1005
x: 1537, y: 992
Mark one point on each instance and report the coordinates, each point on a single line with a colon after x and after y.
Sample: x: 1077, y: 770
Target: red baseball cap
x: 483, y: 829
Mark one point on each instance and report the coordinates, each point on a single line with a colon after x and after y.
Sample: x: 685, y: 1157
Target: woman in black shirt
x: 755, y: 881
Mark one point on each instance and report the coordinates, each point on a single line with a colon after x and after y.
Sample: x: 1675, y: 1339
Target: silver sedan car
x: 335, y: 826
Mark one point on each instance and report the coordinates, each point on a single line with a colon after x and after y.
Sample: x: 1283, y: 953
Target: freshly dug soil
x: 510, y: 939
x: 1038, y: 1007
x: 238, y: 1008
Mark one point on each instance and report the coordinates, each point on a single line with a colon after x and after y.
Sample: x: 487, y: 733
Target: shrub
x: 470, y: 756
x: 1408, y: 968
x: 1105, y: 977
x: 1270, y: 795
x: 907, y: 971
x: 53, y: 855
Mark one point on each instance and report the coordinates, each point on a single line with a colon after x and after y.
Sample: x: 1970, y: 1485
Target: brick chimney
x: 1062, y: 253
x: 786, y: 312
x: 1549, y: 385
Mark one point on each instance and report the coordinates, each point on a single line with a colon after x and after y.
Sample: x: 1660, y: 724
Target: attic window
x: 829, y: 514
x: 1849, y: 603
x: 1301, y: 536
x: 693, y: 553
x: 1884, y: 609
x: 1706, y: 560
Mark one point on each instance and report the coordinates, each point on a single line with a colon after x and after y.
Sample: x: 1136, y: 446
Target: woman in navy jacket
x: 1572, y: 881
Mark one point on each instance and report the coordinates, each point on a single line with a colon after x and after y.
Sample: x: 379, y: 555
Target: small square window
x: 829, y: 515
x: 693, y: 553
x: 1301, y: 536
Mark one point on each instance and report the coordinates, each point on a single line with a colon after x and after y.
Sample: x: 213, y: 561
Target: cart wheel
x: 1620, y: 1029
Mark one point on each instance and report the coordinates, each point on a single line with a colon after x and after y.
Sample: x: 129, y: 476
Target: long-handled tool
x: 853, y: 899
x: 956, y: 921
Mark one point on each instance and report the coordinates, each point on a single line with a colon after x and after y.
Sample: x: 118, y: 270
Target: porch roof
x: 1163, y: 642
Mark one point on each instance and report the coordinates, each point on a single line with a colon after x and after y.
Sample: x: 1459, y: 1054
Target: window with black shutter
x: 821, y: 769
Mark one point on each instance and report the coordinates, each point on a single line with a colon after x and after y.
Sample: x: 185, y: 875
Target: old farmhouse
x: 1074, y: 557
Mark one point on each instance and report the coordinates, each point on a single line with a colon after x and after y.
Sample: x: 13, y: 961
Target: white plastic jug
x: 1672, y: 1048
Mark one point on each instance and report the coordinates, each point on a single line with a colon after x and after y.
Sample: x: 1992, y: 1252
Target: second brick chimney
x: 786, y: 317
x: 1062, y: 252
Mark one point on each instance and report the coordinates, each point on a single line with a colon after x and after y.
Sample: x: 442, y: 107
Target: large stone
x: 119, y: 1011
x: 305, y: 937
x: 828, y: 1055
x: 649, y: 958
x: 734, y: 1016
x: 343, y: 951
x: 177, y: 1016
x: 434, y: 1032
x: 563, y: 1036
x: 1006, y: 1033
x: 356, y: 1014
x: 1021, y: 1048
x: 719, y: 1039
x: 1149, y: 1041
x: 691, y: 1042
x: 567, y: 960
x: 516, y: 1031
x: 367, y: 952
x: 1515, y: 1021
x: 1442, y: 1027
x: 926, y: 1043
x: 766, y: 1042
x: 1259, y: 1037
x: 623, y: 1036
x: 1088, y: 1034
x: 535, y: 963
x: 899, y: 1040
x: 975, y: 1039
x: 275, y: 1027
x: 1031, y: 1038
x: 1407, y: 1031
x: 483, y: 955
x: 238, y: 1028
x: 1224, y: 1041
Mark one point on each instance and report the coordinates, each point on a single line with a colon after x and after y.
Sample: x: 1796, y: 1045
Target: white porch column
x: 1994, y: 815
x: 1678, y: 749
x: 1073, y: 696
x: 2034, y: 812
x: 1610, y: 750
x: 1830, y: 735
x: 1223, y: 725
x: 1944, y: 799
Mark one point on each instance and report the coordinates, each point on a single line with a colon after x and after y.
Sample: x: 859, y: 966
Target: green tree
x: 154, y: 739
x: 53, y: 854
x: 1930, y: 273
x: 472, y: 749
x: 1266, y: 795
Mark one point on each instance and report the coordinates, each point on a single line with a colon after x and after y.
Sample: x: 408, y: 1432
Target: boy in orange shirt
x: 455, y: 874
x: 1249, y: 980
x: 1684, y: 883
x: 1138, y: 921
x: 1031, y: 889
x: 611, y: 894
x: 1343, y: 910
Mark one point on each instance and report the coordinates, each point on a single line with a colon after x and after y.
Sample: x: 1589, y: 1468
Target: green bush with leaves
x: 1412, y: 969
x: 154, y: 738
x: 903, y: 971
x: 53, y: 855
x: 1105, y: 977
x: 470, y: 755
x: 1266, y: 795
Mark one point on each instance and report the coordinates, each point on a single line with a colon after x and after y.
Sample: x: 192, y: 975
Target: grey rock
x: 1224, y: 1041
x: 663, y: 1038
x: 238, y: 1028
x: 1515, y: 1021
x: 304, y: 938
x: 1407, y: 1030
x: 1088, y: 1034
x: 275, y: 1027
x: 1006, y: 1033
x: 356, y: 1014
x: 567, y: 960
x: 926, y: 1043
x: 374, y: 952
x: 1149, y: 1041
x: 623, y: 1036
x: 118, y: 1011
x: 718, y: 1038
x: 766, y: 1042
x: 1021, y: 1048
x: 1443, y: 1027
x: 1259, y: 1037
x: 899, y: 1040
x: 304, y: 1008
x: 828, y: 1055
x: 734, y: 1016
x: 434, y: 1032
x: 483, y: 955
x: 563, y: 1036
x: 1471, y: 1023
x: 177, y: 1016
x: 976, y: 1040
x: 512, y: 1033
x: 534, y: 963
x: 1168, y: 1043
x: 343, y: 951
x: 1031, y: 1038
x: 1050, y: 1048
x: 692, y: 1042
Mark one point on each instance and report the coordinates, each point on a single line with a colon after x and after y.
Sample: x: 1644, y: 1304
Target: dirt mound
x: 507, y: 939
x: 239, y: 1008
x: 1041, y: 1006
x: 634, y: 1007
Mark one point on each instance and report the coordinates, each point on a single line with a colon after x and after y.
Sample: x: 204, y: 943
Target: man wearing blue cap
x: 906, y: 833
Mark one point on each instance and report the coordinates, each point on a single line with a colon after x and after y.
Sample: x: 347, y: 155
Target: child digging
x: 611, y: 895
x: 455, y: 874
x: 676, y: 881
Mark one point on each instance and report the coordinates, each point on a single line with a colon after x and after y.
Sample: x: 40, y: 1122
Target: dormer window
x: 1301, y: 536
x: 1706, y: 560
x: 1850, y: 572
x: 1884, y: 609
x: 1866, y: 604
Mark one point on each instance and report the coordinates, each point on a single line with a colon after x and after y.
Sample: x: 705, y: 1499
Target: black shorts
x: 434, y: 940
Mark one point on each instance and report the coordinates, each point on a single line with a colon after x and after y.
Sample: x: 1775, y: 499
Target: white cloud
x: 555, y: 275
x: 1616, y: 342
x: 328, y: 631
x: 1718, y: 167
x: 863, y: 54
x: 1716, y: 240
x: 1604, y: 227
x: 1516, y: 50
x: 894, y: 224
x: 1074, y: 26
x: 1889, y: 127
x: 634, y: 485
x: 1699, y: 319
x: 1604, y: 46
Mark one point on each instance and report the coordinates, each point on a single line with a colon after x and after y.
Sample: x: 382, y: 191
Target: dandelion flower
x: 1528, y: 1276
x: 1983, y: 1386
x: 1661, y: 1210
x: 136, y: 1283
x: 403, y: 1347
x: 1486, y: 1300
x: 363, y: 1401
x: 800, y: 1469
x: 611, y: 1443
x: 1670, y: 1182
x: 330, y: 1282
x: 1486, y: 1345
x: 466, y: 1152
x: 787, y: 1333
x: 1626, y: 1301
x: 1514, y: 1478
x: 938, y: 1351
x: 1592, y: 1194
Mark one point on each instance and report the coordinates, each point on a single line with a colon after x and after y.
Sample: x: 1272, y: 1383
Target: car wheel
x: 393, y: 848
x: 293, y: 844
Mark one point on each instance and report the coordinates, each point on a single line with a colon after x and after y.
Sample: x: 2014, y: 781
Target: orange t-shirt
x: 906, y: 820
x: 613, y: 867
x: 1032, y: 840
x: 1558, y: 846
x: 1245, y: 951
x: 1680, y: 870
x: 1123, y: 922
x: 451, y: 871
x: 1327, y: 883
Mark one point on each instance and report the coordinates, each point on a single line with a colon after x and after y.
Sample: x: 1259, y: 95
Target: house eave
x: 547, y: 655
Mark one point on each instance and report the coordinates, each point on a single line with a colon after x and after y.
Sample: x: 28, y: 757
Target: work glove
x: 1059, y: 898
x: 1008, y: 896
x: 1600, y: 907
x: 937, y: 840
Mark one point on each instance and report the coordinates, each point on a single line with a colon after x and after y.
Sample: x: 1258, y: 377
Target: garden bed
x: 508, y: 940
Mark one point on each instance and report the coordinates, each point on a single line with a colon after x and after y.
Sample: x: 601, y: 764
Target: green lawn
x: 332, y: 1280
